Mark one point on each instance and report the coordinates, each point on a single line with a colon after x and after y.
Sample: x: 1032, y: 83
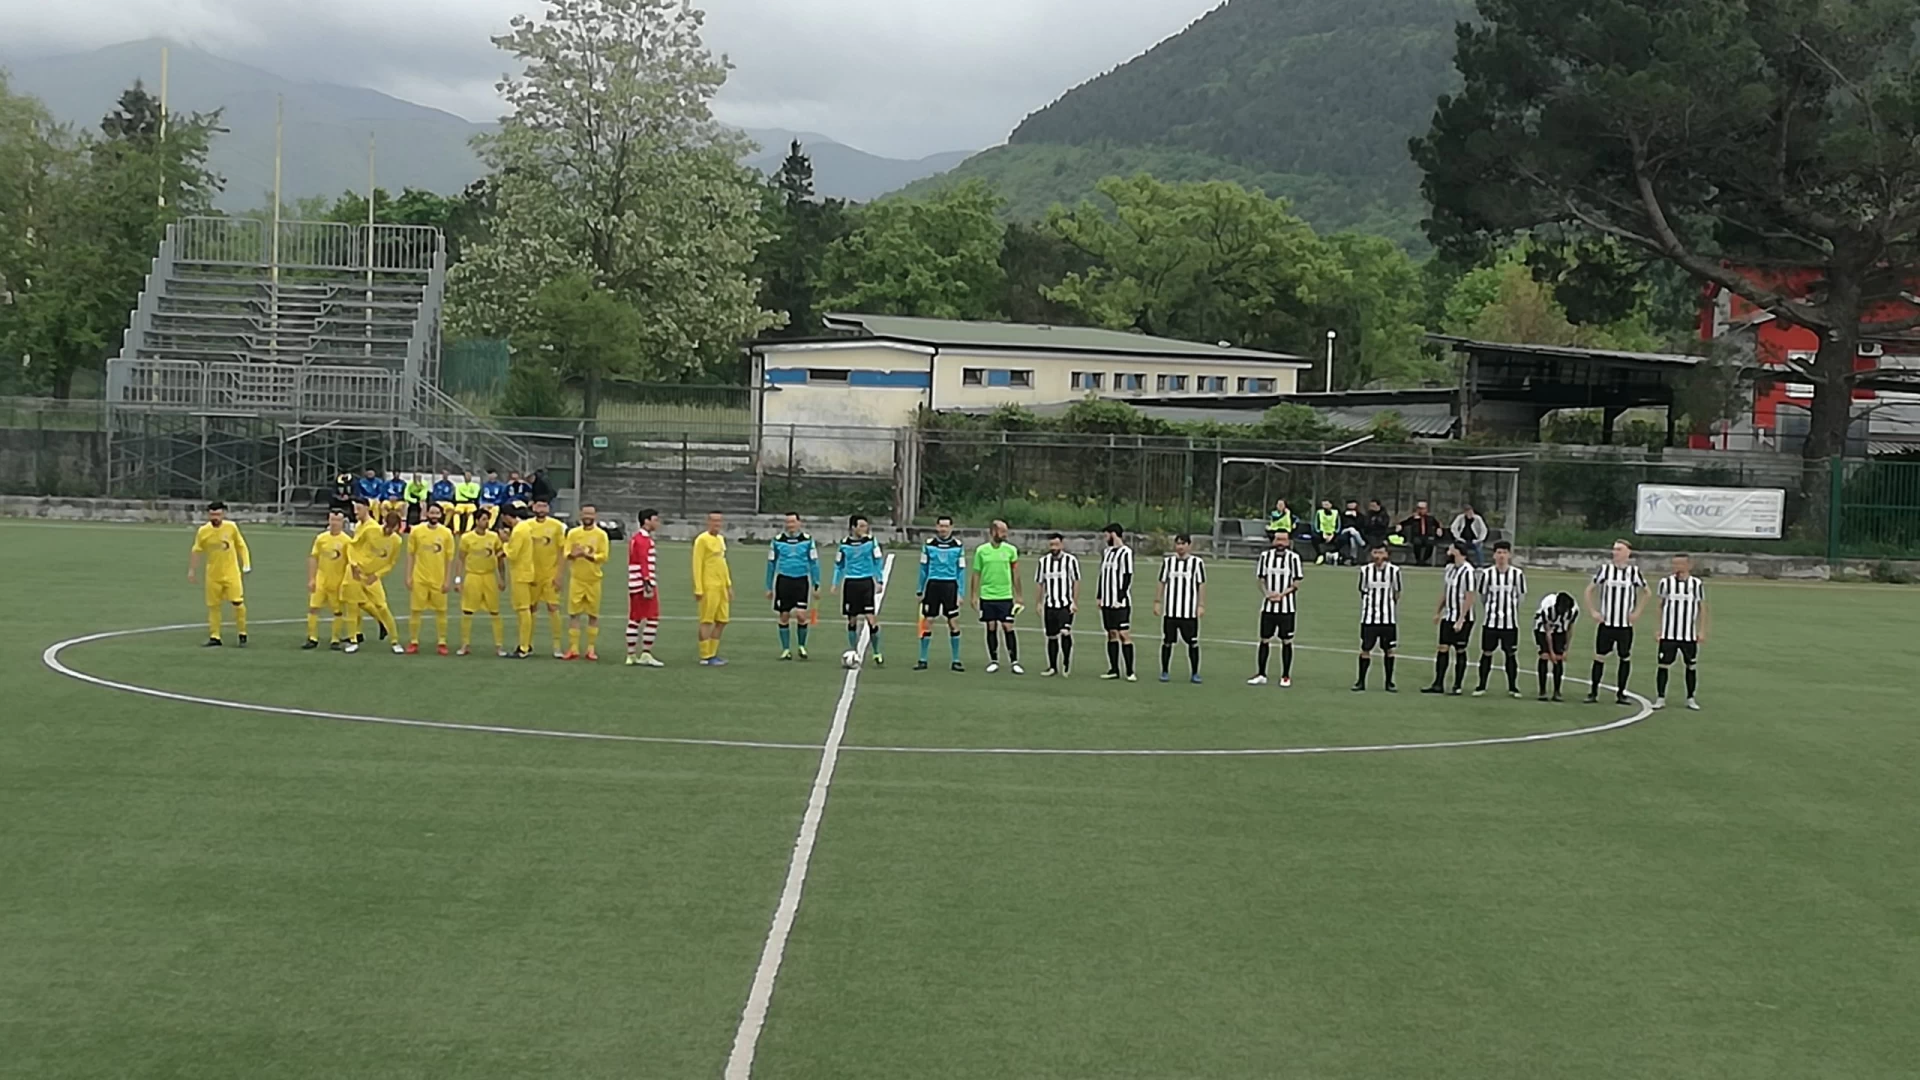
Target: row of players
x: 526, y: 556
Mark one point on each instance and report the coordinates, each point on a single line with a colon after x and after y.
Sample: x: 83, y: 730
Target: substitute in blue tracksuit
x: 943, y: 562
x: 793, y: 577
x: 857, y: 569
x: 493, y: 492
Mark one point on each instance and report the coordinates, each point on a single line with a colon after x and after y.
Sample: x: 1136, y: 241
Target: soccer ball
x: 850, y: 659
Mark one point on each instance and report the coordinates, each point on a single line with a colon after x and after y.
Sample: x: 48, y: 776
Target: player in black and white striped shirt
x: 1622, y: 596
x: 1057, y: 576
x: 1181, y: 602
x: 1683, y: 626
x: 1379, y: 614
x: 1455, y: 619
x: 1503, y: 588
x: 1553, y: 632
x: 1279, y: 570
x: 1114, y: 594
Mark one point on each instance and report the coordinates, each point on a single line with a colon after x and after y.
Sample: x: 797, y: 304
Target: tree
x: 1717, y: 135
x: 1376, y: 305
x: 801, y: 229
x: 1035, y: 260
x: 585, y: 333
x: 611, y: 164
x: 92, y: 209
x: 460, y: 218
x: 937, y: 258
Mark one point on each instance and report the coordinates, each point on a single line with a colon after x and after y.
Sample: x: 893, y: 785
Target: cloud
x: 899, y: 77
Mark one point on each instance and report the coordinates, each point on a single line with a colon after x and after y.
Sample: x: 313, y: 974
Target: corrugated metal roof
x: 954, y: 333
x: 1569, y: 352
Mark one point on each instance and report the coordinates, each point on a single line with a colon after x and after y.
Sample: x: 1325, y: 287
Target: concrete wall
x: 52, y: 462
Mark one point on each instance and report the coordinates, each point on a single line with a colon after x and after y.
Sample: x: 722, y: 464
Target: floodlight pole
x: 1331, y: 335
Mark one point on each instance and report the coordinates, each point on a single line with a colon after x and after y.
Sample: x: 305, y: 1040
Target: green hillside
x: 1312, y: 99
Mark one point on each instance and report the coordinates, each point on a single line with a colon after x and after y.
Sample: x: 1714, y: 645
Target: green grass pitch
x: 208, y: 893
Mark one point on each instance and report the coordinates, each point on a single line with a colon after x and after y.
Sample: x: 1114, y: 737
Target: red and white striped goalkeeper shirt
x: 640, y: 564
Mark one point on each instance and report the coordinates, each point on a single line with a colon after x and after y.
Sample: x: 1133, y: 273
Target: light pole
x: 1331, y: 334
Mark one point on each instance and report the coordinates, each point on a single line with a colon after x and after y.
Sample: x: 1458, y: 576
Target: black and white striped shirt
x: 1115, y: 589
x: 1546, y: 621
x: 1456, y: 593
x: 1618, y: 586
x: 1057, y: 575
x: 1503, y: 590
x: 1279, y: 570
x: 1183, y: 576
x: 1379, y: 595
x: 1682, y: 599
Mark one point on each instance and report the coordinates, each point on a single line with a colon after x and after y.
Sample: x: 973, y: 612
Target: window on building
x: 1089, y: 380
x: 973, y: 376
x: 828, y: 375
x: 1213, y: 384
x: 1020, y: 379
x: 1257, y: 386
x: 1171, y: 384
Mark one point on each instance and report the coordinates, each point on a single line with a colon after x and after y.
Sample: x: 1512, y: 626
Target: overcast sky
x: 903, y: 78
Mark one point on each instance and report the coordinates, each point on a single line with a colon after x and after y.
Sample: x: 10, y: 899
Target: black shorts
x: 1172, y: 627
x: 1450, y: 638
x: 791, y: 593
x: 1552, y: 644
x: 1276, y: 624
x: 941, y: 600
x: 1506, y: 640
x: 1669, y: 649
x: 1059, y: 620
x: 856, y: 597
x: 1610, y: 638
x: 996, y: 611
x: 1116, y: 619
x: 1379, y: 636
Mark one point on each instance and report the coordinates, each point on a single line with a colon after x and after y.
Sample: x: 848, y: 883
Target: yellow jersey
x: 591, y: 569
x: 225, y: 549
x: 329, y: 553
x: 372, y: 552
x: 480, y: 554
x: 710, y: 572
x: 432, y: 549
x: 546, y: 535
x: 519, y: 550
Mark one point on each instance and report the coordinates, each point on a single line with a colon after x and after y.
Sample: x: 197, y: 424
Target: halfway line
x: 754, y: 1016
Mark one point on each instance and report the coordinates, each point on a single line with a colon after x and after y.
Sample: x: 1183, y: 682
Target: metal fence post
x: 1836, y: 482
x: 685, y: 450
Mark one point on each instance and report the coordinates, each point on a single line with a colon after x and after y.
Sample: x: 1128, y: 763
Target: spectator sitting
x: 543, y: 489
x: 1351, y: 540
x: 1470, y: 531
x: 1280, y: 519
x: 1377, y: 525
x: 1422, y: 531
x: 518, y: 490
x: 370, y: 488
x: 1326, y: 526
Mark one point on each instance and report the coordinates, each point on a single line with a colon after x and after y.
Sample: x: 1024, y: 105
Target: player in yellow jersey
x: 326, y: 573
x: 548, y: 538
x: 219, y: 542
x: 522, y: 578
x: 370, y: 556
x: 712, y: 588
x: 481, y: 562
x: 430, y: 547
x: 587, y: 552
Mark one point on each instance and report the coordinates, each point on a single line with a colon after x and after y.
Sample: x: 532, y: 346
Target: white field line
x: 52, y: 658
x: 753, y: 1017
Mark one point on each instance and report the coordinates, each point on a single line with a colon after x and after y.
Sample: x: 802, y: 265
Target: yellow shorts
x: 363, y: 595
x: 715, y: 608
x: 393, y: 506
x: 427, y: 598
x: 480, y: 598
x: 326, y: 597
x: 544, y: 592
x: 583, y: 599
x: 523, y: 594
x: 225, y: 590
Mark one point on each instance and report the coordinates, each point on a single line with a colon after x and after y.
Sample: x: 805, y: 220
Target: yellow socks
x: 213, y: 622
x: 593, y: 637
x: 499, y: 631
x: 240, y: 619
x: 559, y: 627
x: 573, y: 639
x: 526, y: 630
x: 313, y: 626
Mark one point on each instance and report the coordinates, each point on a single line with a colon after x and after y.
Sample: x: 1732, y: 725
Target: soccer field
x: 197, y: 891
